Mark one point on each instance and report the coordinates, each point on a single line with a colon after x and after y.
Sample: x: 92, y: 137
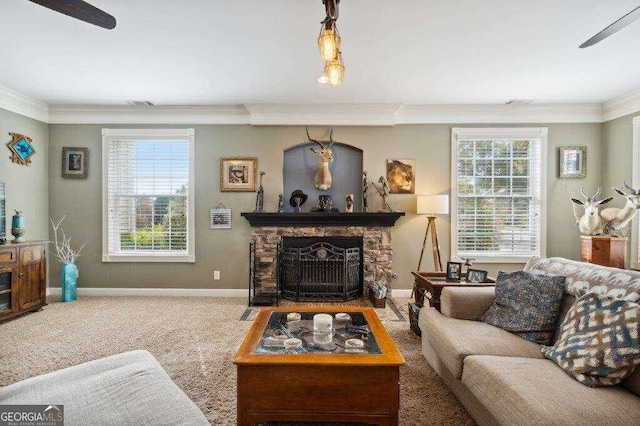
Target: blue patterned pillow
x: 527, y: 305
x: 598, y: 344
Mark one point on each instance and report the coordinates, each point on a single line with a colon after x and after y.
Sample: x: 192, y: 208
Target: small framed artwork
x: 220, y: 218
x: 401, y: 176
x: 238, y: 174
x: 74, y: 162
x: 573, y: 162
x: 454, y: 271
x: 476, y: 276
x: 21, y: 148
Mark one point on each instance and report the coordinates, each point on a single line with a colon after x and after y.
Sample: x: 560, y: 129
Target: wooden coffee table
x: 317, y: 385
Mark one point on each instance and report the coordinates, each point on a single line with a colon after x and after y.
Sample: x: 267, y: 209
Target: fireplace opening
x: 320, y: 269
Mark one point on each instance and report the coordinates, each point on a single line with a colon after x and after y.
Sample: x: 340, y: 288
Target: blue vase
x: 69, y: 282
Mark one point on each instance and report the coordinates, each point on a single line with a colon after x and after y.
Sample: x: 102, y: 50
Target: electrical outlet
x: 216, y: 275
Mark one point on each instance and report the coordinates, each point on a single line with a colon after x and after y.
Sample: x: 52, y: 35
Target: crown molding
x: 619, y: 107
x: 323, y: 114
x: 543, y: 113
x: 196, y: 114
x: 23, y: 105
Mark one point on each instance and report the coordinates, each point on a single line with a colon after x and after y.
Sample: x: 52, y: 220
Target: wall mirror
x: 573, y: 162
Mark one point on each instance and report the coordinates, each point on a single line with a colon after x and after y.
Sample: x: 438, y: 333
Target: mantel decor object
x: 17, y: 228
x: 260, y: 196
x: 297, y: 199
x: 21, y: 148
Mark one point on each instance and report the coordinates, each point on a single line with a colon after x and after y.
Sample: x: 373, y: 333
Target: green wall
x: 617, y: 160
x: 27, y: 186
x: 227, y: 250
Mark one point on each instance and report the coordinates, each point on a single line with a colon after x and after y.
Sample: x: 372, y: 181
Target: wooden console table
x: 434, y: 282
x: 605, y: 251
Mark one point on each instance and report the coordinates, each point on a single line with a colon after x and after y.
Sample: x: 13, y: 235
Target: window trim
x: 635, y: 233
x: 149, y: 134
x: 537, y: 133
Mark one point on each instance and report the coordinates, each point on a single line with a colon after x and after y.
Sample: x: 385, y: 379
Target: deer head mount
x: 618, y: 219
x: 591, y: 223
x: 322, y: 179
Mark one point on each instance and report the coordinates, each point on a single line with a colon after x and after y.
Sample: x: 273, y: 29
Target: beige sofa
x: 503, y: 379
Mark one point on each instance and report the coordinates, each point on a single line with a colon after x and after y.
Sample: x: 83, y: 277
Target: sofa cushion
x: 586, y: 277
x: 526, y: 304
x: 599, y: 344
x: 130, y: 388
x: 525, y: 391
x: 454, y: 340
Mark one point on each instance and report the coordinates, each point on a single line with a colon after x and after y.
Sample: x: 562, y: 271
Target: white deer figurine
x: 322, y: 179
x: 591, y: 223
x: 618, y: 219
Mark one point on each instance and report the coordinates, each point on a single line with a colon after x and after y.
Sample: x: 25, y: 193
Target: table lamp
x: 432, y: 205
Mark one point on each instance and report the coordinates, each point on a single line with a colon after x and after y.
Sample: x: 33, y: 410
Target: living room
x: 241, y: 93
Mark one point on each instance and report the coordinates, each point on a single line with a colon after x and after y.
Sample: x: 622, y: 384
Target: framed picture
x: 21, y: 148
x: 74, y: 162
x: 454, y: 271
x: 401, y: 176
x: 238, y: 174
x: 476, y: 275
x: 573, y: 162
x: 220, y: 218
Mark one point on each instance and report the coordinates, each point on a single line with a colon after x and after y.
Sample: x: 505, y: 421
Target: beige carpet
x: 195, y: 340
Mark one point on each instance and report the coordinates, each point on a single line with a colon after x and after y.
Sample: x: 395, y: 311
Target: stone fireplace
x: 269, y: 230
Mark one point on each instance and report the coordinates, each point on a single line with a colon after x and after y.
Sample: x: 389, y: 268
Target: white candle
x: 322, y: 323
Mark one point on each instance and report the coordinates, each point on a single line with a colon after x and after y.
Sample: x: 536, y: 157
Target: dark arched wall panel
x: 300, y: 165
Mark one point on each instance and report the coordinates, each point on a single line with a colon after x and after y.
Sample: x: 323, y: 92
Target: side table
x: 429, y: 285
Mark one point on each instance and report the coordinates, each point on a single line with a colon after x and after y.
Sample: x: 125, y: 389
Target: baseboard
x: 401, y: 293
x: 149, y: 292
x: 177, y: 292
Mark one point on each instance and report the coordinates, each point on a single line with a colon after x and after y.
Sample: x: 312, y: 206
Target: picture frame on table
x: 477, y: 276
x: 454, y: 271
x: 238, y: 174
x: 75, y: 162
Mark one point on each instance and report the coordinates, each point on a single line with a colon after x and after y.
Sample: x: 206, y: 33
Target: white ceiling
x: 206, y: 52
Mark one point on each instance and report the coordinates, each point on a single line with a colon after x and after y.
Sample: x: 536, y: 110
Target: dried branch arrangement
x: 64, y: 253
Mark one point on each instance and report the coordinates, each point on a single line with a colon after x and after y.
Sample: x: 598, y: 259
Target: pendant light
x: 329, y: 40
x: 334, y: 70
x: 329, y: 46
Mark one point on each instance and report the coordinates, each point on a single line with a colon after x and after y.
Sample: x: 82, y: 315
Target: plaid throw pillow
x: 598, y: 344
x: 526, y: 304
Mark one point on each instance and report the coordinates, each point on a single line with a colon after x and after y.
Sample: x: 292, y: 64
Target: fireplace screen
x: 320, y: 271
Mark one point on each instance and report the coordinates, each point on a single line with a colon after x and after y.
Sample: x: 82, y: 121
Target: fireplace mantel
x: 322, y: 219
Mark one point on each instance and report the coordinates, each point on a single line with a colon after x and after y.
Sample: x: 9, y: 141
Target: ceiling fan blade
x: 80, y: 10
x: 613, y: 28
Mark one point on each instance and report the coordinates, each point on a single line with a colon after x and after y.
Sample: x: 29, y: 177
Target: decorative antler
x: 331, y: 141
x: 595, y: 196
x: 586, y: 197
x: 313, y: 140
x: 633, y: 191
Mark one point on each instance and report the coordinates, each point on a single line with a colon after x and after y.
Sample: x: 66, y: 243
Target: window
x: 497, y: 193
x: 635, y: 236
x: 148, y: 203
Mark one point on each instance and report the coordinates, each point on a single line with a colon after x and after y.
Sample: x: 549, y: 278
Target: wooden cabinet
x: 23, y: 278
x: 605, y: 251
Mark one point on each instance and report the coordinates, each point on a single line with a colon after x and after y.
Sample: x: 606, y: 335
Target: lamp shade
x: 433, y: 204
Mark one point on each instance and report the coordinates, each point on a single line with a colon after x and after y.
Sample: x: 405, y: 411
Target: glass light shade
x: 433, y: 204
x: 334, y: 70
x: 329, y: 42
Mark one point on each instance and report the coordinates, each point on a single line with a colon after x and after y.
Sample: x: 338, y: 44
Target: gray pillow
x: 526, y: 304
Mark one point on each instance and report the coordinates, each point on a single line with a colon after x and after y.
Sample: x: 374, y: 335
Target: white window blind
x: 635, y: 229
x: 148, y: 200
x: 497, y: 186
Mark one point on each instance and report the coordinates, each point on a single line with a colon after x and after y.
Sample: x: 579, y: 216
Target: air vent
x: 140, y: 103
x: 519, y: 101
